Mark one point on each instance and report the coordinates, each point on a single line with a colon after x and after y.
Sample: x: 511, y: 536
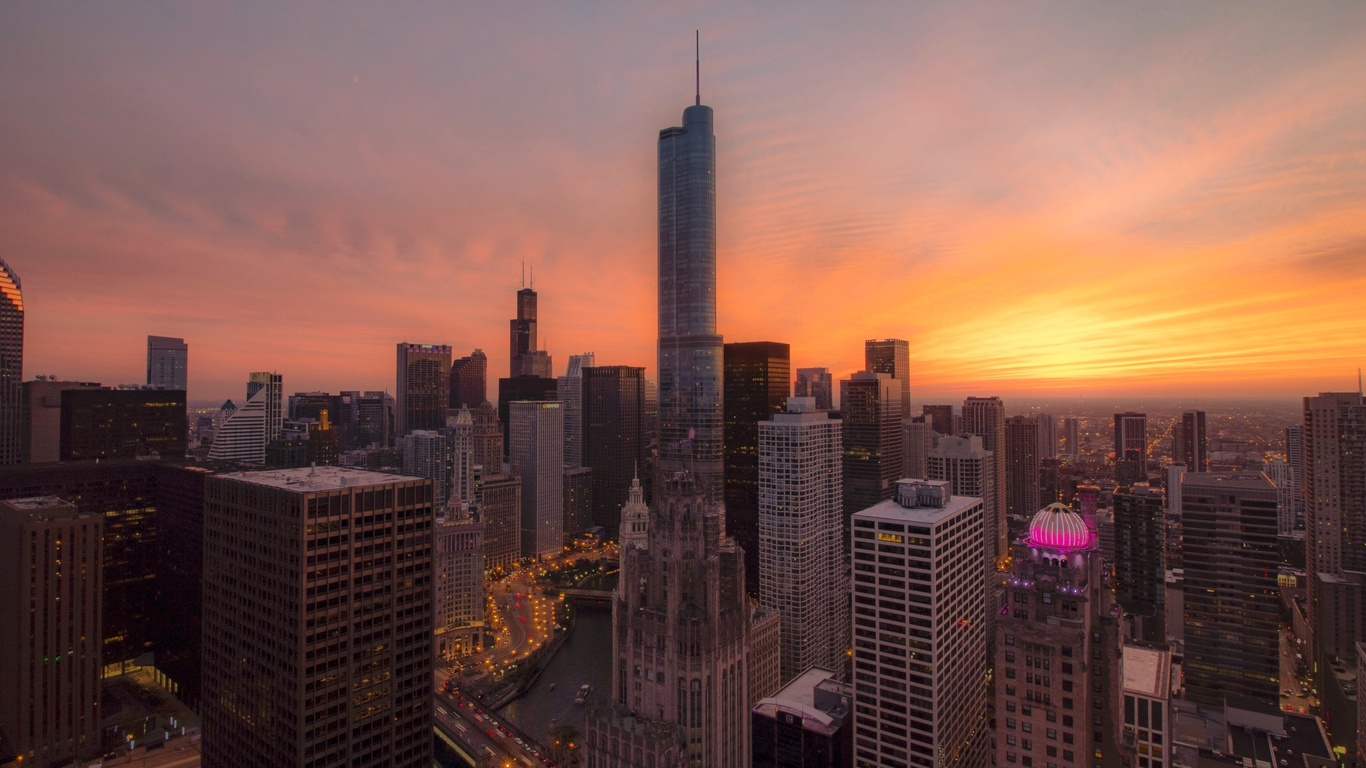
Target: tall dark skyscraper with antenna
x: 690, y: 363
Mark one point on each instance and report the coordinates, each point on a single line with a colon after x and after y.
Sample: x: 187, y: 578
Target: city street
x: 1294, y: 701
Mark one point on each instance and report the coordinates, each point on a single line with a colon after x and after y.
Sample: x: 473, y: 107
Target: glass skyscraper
x: 12, y: 358
x: 690, y: 363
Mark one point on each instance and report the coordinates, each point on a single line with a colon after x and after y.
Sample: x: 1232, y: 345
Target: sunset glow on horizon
x: 1157, y: 199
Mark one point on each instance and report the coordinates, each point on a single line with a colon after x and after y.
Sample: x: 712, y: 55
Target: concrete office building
x: 318, y: 619
x: 807, y: 724
x: 424, y: 455
x: 500, y: 509
x: 569, y: 391
x: 422, y: 389
x: 919, y: 644
x: 458, y: 594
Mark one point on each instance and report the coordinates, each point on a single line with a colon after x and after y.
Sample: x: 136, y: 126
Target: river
x: 585, y: 658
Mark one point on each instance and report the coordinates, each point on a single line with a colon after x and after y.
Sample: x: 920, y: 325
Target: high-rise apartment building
x: 1335, y: 521
x: 375, y: 416
x: 121, y: 423
x: 1022, y: 466
x: 524, y: 357
x: 1279, y: 474
x: 1048, y: 436
x: 1131, y: 448
x: 335, y: 667
x: 758, y: 377
x: 802, y: 574
x: 920, y: 651
x: 569, y: 391
x: 892, y: 357
x: 1294, y: 456
x: 815, y: 383
x: 168, y: 361
x: 1192, y: 448
x: 244, y: 435
x: 51, y: 569
x: 469, y: 380
x: 537, y: 454
x: 690, y: 362
x: 613, y: 436
x: 422, y: 392
x: 458, y: 591
x: 1071, y: 436
x: 943, y: 419
x: 1140, y: 559
x: 500, y: 508
x: 986, y: 418
x: 1056, y: 653
x: 966, y: 466
x: 1232, y: 600
x: 917, y: 440
x: 11, y: 364
x: 870, y: 404
x: 425, y: 455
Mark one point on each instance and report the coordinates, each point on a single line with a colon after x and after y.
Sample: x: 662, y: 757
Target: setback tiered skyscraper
x: 920, y: 650
x: 423, y: 387
x: 168, y: 362
x: 690, y: 357
x: 469, y: 380
x: 892, y: 357
x: 525, y: 358
x: 318, y: 619
x: 11, y: 364
x: 802, y: 574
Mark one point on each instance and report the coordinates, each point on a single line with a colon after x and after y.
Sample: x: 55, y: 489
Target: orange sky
x: 1159, y: 199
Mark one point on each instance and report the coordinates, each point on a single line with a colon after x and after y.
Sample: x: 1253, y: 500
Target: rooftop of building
x: 38, y: 509
x: 898, y: 509
x: 800, y: 697
x: 304, y: 479
x: 1147, y: 671
x: 1248, y: 479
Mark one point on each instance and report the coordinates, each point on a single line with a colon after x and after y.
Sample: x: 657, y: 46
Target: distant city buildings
x: 919, y: 639
x: 121, y: 423
x: 527, y: 388
x: 1022, y: 466
x: 986, y: 418
x: 422, y: 392
x: 167, y: 362
x: 281, y: 684
x: 1191, y: 445
x: 1071, y: 437
x: 802, y: 571
x: 525, y: 357
x: 569, y: 391
x: 425, y: 455
x: 944, y: 419
x: 11, y: 364
x: 51, y: 595
x: 578, y: 501
x: 1048, y: 436
x: 1139, y: 559
x: 245, y: 433
x: 817, y: 384
x: 41, y: 431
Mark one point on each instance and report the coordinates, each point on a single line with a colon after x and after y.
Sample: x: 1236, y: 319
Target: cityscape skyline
x: 1233, y: 150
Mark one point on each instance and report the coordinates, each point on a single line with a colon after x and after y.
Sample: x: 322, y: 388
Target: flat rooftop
x: 802, y: 689
x: 38, y: 502
x: 305, y: 479
x: 891, y: 511
x: 1147, y: 671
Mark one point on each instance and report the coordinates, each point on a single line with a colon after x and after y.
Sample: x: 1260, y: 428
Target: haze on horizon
x: 1094, y: 200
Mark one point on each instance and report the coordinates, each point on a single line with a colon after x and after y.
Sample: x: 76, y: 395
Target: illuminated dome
x: 1057, y: 527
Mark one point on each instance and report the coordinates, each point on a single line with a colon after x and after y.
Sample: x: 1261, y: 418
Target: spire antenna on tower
x: 698, y: 61
x: 523, y: 273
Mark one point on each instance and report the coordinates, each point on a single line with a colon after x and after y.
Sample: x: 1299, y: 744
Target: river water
x: 585, y: 658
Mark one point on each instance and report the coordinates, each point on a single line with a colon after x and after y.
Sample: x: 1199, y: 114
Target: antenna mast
x: 698, y: 61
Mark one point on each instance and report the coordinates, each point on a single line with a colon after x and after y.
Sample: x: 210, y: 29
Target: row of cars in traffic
x: 492, y: 726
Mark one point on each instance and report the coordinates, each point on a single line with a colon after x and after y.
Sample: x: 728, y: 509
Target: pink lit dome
x: 1057, y: 527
